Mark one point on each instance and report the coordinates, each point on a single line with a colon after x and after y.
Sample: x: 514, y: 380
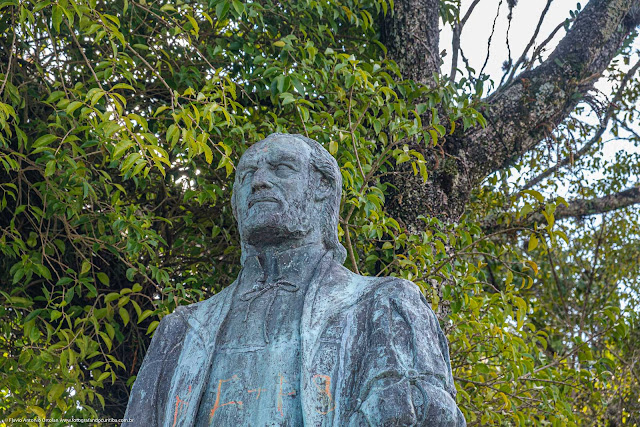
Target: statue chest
x: 255, y: 375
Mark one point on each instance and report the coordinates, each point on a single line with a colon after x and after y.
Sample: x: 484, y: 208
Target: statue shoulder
x: 377, y: 288
x: 389, y: 287
x: 398, y: 287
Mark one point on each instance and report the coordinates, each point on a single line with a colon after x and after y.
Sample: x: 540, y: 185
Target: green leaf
x: 34, y: 334
x: 102, y: 277
x: 194, y: 24
x: 208, y: 154
x: 222, y: 9
x: 124, y: 314
x: 64, y: 281
x: 121, y: 148
x: 55, y: 392
x: 19, y: 274
x: 377, y: 126
x: 44, y: 140
x: 56, y: 19
x: 144, y: 315
x: 96, y: 365
x: 539, y: 197
x: 112, y: 296
x: 333, y: 147
x: 522, y: 310
x: 73, y: 106
x: 93, y: 292
x: 96, y: 97
x: 50, y: 169
x: 38, y: 411
x: 152, y: 327
x: 238, y: 6
x: 123, y: 86
x: 113, y: 19
x: 106, y: 339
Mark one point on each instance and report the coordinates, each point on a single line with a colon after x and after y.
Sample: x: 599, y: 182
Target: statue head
x: 287, y: 193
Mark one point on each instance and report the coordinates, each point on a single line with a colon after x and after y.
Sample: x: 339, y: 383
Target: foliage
x: 121, y: 123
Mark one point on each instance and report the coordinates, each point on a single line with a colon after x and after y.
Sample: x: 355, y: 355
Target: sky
x: 525, y: 18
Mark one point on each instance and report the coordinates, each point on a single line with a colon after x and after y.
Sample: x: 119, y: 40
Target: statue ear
x: 322, y: 186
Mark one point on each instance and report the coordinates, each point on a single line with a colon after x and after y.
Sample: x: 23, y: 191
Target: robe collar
x: 290, y: 266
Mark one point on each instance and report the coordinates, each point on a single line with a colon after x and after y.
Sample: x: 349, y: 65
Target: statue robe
x: 373, y: 354
x: 255, y: 373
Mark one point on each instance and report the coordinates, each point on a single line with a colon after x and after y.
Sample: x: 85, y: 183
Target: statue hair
x: 324, y: 163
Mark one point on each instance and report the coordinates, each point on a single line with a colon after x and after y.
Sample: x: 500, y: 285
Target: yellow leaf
x: 38, y: 411
x: 333, y: 148
x: 86, y: 266
x: 208, y: 154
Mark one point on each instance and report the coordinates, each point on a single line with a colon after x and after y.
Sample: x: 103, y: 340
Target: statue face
x: 272, y: 191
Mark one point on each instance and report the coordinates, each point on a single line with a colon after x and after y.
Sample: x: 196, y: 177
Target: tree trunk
x: 519, y: 115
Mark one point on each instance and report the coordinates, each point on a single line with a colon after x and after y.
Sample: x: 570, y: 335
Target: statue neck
x: 275, y: 263
x: 268, y: 249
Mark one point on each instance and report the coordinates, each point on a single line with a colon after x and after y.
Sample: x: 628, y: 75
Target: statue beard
x: 294, y: 223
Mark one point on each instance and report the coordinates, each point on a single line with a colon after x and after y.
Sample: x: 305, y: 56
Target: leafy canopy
x: 120, y: 125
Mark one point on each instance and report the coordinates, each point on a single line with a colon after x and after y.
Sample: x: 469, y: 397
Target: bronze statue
x: 297, y: 339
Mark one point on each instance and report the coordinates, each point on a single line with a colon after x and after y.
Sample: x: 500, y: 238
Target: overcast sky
x: 478, y: 28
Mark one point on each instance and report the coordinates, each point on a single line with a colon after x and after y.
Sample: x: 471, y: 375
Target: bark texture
x: 519, y: 115
x: 411, y: 34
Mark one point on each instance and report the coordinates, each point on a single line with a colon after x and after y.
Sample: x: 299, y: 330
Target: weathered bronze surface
x: 297, y: 339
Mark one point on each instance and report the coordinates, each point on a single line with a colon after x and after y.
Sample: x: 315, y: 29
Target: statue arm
x: 408, y: 381
x: 148, y: 395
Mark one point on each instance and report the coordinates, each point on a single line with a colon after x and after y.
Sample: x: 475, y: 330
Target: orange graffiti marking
x: 179, y: 404
x: 217, y: 404
x: 323, y: 384
x: 259, y: 390
x: 281, y: 393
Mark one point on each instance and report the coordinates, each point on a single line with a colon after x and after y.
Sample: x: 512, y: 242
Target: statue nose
x: 260, y: 180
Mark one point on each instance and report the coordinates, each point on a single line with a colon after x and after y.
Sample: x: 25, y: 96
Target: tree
x: 122, y: 121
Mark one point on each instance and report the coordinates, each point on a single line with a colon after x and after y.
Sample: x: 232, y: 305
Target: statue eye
x: 246, y: 175
x: 283, y: 169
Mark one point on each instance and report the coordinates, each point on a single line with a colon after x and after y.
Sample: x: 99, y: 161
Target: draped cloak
x: 380, y: 342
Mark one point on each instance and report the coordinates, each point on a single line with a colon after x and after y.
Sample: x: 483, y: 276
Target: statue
x: 297, y: 339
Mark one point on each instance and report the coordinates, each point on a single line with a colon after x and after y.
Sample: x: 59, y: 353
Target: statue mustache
x: 263, y: 198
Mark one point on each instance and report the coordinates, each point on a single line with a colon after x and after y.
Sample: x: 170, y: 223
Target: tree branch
x: 613, y: 107
x: 545, y: 42
x: 531, y: 42
x: 519, y: 115
x: 524, y: 112
x: 455, y: 43
x: 493, y: 30
x: 577, y: 208
x: 583, y: 207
